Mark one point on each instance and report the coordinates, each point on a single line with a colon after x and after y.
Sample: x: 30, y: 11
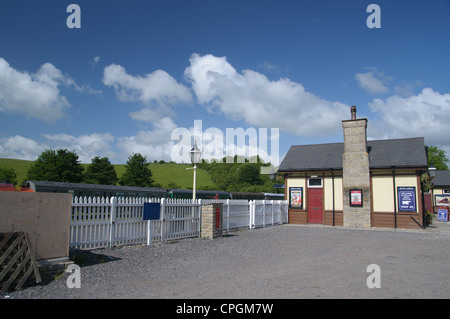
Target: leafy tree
x: 438, y: 158
x: 7, y: 173
x: 101, y: 171
x: 137, y: 172
x: 57, y: 166
x: 239, y: 176
x: 249, y: 173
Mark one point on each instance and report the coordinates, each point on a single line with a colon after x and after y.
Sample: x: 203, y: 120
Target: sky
x: 119, y: 77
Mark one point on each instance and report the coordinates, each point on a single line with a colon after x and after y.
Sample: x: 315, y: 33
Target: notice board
x: 152, y: 211
x: 406, y: 199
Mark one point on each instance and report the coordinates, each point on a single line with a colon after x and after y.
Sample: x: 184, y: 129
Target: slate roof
x: 442, y: 178
x: 400, y: 153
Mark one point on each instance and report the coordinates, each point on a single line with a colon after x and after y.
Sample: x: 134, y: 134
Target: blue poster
x: 406, y: 199
x: 443, y: 215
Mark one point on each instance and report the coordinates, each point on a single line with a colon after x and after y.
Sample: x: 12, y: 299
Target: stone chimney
x: 356, y: 175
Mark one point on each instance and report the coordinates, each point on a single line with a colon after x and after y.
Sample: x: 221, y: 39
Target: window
x: 314, y: 182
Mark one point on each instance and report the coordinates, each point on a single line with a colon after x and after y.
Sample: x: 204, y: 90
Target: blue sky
x: 138, y: 70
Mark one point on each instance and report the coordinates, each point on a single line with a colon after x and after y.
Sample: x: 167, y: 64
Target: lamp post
x: 196, y: 156
x: 432, y: 174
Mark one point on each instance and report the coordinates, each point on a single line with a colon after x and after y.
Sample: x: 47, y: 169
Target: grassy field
x: 166, y: 175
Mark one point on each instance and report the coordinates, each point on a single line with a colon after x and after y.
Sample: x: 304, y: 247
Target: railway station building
x: 441, y: 190
x: 357, y: 183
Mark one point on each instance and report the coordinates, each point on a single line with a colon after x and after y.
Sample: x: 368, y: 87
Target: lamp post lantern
x: 432, y: 173
x: 432, y: 170
x: 196, y: 156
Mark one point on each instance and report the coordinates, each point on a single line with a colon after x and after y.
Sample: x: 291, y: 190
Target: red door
x: 218, y: 217
x: 315, y: 206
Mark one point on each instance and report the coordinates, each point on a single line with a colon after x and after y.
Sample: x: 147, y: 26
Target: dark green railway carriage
x: 199, y: 194
x: 91, y: 190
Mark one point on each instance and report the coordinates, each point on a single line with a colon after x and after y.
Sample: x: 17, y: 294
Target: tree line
x: 63, y: 166
x: 242, y: 175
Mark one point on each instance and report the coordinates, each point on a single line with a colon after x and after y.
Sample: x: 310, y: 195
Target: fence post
x: 279, y: 211
x: 112, y: 217
x: 228, y: 215
x: 199, y: 210
x: 272, y: 212
x: 251, y: 209
x: 264, y: 213
x: 162, y: 215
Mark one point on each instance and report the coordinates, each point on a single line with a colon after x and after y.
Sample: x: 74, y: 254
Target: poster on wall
x: 406, y: 199
x: 442, y: 200
x: 296, y: 197
x: 356, y: 198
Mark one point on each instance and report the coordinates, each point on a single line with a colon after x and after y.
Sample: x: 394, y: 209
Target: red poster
x: 356, y: 197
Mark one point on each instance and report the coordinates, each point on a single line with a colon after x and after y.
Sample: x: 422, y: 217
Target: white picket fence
x: 269, y: 212
x: 239, y: 214
x: 106, y: 222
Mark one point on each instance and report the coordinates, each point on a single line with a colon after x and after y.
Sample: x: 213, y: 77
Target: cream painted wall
x: 383, y: 193
x: 328, y: 192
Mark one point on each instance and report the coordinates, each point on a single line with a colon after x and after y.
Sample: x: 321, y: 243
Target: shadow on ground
x: 84, y: 258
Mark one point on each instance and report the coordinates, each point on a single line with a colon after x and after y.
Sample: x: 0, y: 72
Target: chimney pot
x: 353, y: 112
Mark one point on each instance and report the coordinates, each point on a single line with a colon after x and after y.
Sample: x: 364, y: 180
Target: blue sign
x: 152, y: 211
x: 406, y: 199
x: 443, y: 215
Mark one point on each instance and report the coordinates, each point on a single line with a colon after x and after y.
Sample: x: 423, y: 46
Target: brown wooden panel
x: 387, y: 219
x: 405, y: 221
x: 338, y: 218
x: 383, y: 219
x: 297, y: 216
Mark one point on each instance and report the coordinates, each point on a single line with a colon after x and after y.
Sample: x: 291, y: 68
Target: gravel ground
x: 287, y: 261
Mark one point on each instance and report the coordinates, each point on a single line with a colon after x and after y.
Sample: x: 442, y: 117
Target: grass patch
x: 168, y: 175
x: 20, y: 167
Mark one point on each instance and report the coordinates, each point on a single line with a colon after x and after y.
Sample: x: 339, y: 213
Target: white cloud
x: 373, y: 82
x: 252, y: 97
x: 85, y: 146
x: 426, y: 114
x: 151, y: 114
x: 406, y: 89
x: 156, y: 91
x: 35, y: 95
x: 154, y: 144
x: 21, y: 148
x: 269, y: 67
x: 95, y: 60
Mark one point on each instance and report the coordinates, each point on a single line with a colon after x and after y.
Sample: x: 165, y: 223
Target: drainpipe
x: 332, y: 179
x: 395, y: 198
x: 423, y: 198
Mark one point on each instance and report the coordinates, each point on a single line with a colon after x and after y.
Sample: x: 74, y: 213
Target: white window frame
x: 315, y: 186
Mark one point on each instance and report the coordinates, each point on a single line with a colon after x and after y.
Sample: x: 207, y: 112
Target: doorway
x: 315, y: 205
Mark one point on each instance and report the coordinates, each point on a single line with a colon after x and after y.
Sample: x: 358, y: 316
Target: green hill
x: 167, y: 175
x: 20, y: 167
